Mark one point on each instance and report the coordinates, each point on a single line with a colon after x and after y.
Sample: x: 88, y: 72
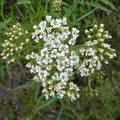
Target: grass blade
x: 2, y: 7
x: 87, y: 14
x: 98, y: 6
x: 107, y: 2
x: 60, y: 113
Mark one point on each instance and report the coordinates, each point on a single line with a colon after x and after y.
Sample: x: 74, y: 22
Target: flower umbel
x: 17, y: 38
x: 95, y: 52
x: 56, y: 5
x: 54, y: 64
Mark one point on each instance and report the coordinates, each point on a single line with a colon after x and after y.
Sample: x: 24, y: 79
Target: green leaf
x: 60, y: 114
x: 24, y: 2
x: 107, y: 2
x: 98, y: 6
x: 87, y: 14
x: 77, y: 47
x: 2, y: 8
x: 65, y: 4
x: 4, y: 23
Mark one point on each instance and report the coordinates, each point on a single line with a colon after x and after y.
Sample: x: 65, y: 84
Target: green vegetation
x: 21, y: 99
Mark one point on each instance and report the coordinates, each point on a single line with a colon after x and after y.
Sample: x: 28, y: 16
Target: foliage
x: 22, y: 101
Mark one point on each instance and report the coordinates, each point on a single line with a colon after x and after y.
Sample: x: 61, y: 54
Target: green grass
x: 24, y: 101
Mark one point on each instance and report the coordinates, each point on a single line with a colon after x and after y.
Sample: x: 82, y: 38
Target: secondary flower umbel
x: 17, y: 39
x: 95, y: 52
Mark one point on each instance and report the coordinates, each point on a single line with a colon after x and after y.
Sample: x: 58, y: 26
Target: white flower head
x: 57, y: 61
x: 48, y: 18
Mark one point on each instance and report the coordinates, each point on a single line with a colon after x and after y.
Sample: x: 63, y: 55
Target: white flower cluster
x: 56, y: 5
x: 54, y: 64
x: 95, y: 52
x: 55, y: 59
x: 15, y: 43
x: 97, y: 32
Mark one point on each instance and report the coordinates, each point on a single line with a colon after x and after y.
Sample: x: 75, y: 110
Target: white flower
x: 53, y: 53
x: 49, y: 29
x: 86, y: 31
x: 101, y: 25
x: 75, y: 31
x: 48, y: 18
x: 35, y: 26
x: 55, y: 23
x: 42, y: 25
x: 64, y: 21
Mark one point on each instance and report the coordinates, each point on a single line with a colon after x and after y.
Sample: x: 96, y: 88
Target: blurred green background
x: 17, y: 97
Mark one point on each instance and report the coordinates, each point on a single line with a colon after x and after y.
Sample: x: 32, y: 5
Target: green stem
x: 61, y: 110
x: 9, y: 75
x: 22, y: 70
